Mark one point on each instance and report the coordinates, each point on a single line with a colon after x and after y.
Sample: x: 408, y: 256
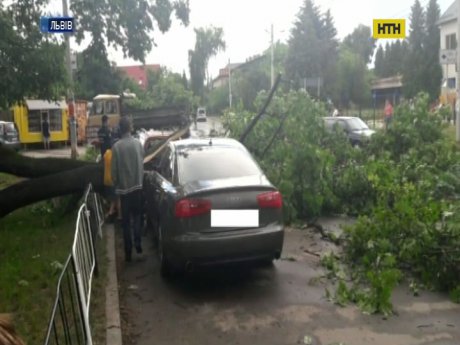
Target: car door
x: 153, y: 187
x: 164, y: 178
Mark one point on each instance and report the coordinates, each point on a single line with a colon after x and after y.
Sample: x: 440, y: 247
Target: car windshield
x: 212, y: 163
x: 9, y: 128
x: 356, y: 124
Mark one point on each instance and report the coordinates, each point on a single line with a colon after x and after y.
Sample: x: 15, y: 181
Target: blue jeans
x: 131, y: 210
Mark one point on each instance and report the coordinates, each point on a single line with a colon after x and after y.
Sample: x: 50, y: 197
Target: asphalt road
x: 281, y: 304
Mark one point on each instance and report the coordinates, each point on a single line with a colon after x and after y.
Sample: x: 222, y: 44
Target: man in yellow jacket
x: 110, y: 189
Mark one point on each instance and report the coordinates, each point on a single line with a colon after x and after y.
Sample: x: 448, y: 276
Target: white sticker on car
x: 234, y: 218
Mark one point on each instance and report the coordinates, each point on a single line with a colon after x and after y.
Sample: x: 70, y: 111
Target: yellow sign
x: 389, y: 28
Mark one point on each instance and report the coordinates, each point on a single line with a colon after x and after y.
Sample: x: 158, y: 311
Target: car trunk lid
x: 226, y: 204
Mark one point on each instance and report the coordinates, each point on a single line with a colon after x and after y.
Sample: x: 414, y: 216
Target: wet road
x: 280, y: 304
x: 204, y: 128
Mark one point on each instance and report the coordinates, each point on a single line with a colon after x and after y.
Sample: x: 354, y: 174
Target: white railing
x: 69, y: 322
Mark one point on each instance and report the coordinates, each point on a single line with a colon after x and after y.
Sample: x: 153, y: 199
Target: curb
x: 112, y: 305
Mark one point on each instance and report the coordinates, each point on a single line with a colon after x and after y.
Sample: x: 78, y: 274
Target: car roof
x: 3, y: 122
x: 210, y: 142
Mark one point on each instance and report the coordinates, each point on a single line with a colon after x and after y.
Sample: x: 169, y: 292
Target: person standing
x: 46, y: 133
x: 388, y: 113
x: 109, y: 189
x: 105, y: 136
x: 127, y: 175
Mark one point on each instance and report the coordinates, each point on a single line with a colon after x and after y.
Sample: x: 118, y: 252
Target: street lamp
x: 272, y: 54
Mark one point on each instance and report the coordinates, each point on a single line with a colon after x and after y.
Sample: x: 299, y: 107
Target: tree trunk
x: 49, y: 178
x: 50, y: 186
x: 15, y: 164
x: 52, y: 177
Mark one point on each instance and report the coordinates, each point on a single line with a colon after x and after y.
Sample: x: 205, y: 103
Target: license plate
x: 234, y: 218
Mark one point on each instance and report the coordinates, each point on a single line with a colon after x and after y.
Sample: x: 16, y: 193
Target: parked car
x: 356, y: 129
x: 201, y: 114
x: 208, y: 203
x: 9, y: 136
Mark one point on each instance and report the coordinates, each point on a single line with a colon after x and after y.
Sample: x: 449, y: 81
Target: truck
x: 115, y: 106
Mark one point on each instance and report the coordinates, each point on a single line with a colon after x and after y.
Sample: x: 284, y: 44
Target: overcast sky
x: 246, y: 25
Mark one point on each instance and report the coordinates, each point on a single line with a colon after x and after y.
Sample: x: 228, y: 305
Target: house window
x: 55, y: 118
x: 451, y: 83
x: 34, y: 121
x: 451, y: 41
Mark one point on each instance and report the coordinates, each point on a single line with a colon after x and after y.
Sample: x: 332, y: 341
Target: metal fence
x: 69, y: 322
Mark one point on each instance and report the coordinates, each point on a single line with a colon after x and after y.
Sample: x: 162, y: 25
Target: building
x: 29, y: 116
x: 387, y: 89
x: 139, y: 73
x: 448, y: 39
x: 222, y: 78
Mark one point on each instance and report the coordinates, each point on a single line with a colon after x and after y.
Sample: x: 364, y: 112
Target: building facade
x: 448, y: 42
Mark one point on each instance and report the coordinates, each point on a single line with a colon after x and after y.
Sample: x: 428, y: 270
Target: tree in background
x: 361, y: 42
x: 391, y: 60
x: 417, y: 57
x: 165, y: 89
x: 95, y: 74
x: 329, y: 51
x: 304, y: 57
x: 249, y: 79
x: 433, y: 70
x: 217, y: 100
x: 209, y: 41
x: 379, y: 67
x: 312, y: 47
x: 31, y: 64
x: 127, y: 24
x: 414, y: 70
x: 353, y: 78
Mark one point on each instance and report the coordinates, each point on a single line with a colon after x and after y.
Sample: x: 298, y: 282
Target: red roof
x: 139, y: 73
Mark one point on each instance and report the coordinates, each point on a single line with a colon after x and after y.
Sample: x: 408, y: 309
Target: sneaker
x: 139, y: 249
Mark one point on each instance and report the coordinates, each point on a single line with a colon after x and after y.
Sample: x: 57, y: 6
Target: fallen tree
x: 45, y: 178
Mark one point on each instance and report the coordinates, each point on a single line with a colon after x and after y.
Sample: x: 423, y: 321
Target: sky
x: 246, y: 25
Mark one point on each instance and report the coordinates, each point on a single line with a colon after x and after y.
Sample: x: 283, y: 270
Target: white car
x: 201, y: 114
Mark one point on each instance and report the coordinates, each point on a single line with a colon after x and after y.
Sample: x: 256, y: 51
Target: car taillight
x: 192, y: 207
x: 270, y: 200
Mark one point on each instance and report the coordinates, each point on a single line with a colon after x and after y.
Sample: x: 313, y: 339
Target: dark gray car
x: 210, y: 203
x: 9, y: 135
x: 355, y: 128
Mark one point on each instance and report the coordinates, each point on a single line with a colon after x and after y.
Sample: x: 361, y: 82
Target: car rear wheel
x: 165, y: 266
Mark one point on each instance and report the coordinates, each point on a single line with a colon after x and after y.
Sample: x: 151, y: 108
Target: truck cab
x: 102, y: 105
x: 114, y: 107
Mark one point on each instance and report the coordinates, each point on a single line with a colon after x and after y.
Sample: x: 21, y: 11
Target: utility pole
x: 272, y: 58
x: 70, y: 95
x: 457, y: 82
x: 229, y: 84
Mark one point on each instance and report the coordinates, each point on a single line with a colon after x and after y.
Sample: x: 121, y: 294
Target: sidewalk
x: 56, y: 153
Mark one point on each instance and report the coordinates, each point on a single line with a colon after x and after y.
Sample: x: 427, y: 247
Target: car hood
x: 364, y: 132
x: 234, y: 182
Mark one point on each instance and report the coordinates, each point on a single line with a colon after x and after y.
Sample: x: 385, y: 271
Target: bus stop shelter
x: 387, y: 89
